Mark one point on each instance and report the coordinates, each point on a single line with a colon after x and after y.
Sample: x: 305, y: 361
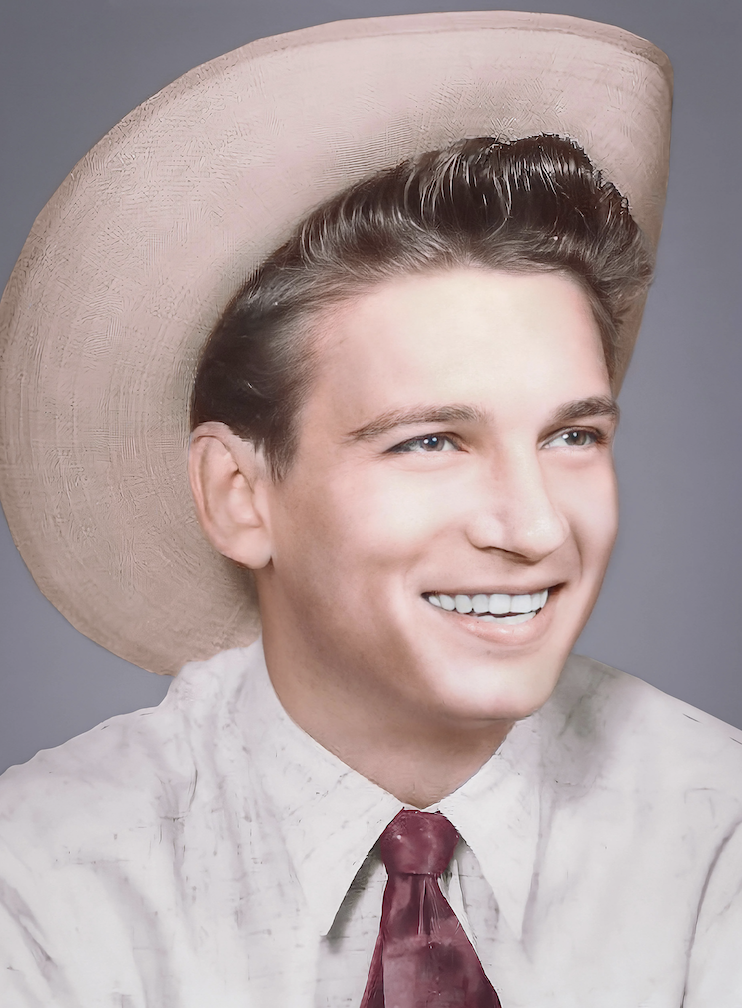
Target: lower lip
x: 501, y: 633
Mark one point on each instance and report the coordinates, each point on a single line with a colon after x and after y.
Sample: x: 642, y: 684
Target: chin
x: 497, y: 690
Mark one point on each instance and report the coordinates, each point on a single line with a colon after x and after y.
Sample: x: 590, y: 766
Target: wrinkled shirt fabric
x: 208, y: 852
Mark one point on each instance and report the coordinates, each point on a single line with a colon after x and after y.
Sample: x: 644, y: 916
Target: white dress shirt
x: 208, y: 853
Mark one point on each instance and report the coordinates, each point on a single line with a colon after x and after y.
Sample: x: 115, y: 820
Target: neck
x: 413, y: 754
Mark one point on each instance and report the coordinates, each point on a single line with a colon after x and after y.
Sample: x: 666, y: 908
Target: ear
x: 228, y: 479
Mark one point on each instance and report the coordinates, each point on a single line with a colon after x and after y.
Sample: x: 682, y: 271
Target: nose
x: 517, y: 512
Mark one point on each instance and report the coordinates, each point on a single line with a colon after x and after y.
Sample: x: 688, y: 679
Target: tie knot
x: 418, y: 843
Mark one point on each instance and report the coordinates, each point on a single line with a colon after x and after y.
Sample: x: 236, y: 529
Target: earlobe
x: 228, y: 477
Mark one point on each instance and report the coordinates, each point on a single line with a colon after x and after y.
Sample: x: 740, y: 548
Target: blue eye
x: 427, y: 443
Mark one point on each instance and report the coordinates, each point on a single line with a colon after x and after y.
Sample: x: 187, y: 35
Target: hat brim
x: 132, y: 260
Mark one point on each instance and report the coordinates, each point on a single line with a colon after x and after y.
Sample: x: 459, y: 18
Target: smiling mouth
x: 495, y: 608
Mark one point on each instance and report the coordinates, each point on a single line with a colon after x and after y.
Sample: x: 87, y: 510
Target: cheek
x: 401, y: 511
x: 584, y: 492
x: 595, y: 513
x: 365, y: 520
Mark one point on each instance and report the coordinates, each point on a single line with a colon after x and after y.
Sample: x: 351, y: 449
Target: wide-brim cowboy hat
x: 130, y: 263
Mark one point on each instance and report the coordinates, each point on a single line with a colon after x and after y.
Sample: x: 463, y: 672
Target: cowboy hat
x: 130, y: 263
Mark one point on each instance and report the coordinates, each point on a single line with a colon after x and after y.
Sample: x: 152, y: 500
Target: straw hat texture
x: 130, y: 263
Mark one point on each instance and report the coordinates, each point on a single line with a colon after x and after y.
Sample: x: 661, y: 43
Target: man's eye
x: 577, y: 438
x: 426, y: 443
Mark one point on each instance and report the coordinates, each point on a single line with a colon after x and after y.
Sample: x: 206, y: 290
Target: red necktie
x: 422, y: 958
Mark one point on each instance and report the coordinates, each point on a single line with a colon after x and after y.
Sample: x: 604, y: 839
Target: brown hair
x: 526, y: 205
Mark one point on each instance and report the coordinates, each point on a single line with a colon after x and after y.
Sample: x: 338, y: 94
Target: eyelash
x: 405, y: 447
x: 408, y: 446
x: 599, y: 437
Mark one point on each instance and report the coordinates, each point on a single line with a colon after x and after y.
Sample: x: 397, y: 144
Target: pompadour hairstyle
x: 529, y: 205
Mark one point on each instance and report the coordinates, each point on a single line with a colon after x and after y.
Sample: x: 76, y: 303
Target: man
x: 428, y: 453
x: 402, y: 425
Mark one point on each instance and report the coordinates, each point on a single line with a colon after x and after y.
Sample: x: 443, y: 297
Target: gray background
x: 669, y: 611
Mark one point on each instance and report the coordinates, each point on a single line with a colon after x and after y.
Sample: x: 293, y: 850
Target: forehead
x: 494, y: 339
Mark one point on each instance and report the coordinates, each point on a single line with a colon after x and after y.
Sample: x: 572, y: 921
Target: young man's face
x: 455, y: 449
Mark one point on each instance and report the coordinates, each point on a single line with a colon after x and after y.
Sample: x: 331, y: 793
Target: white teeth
x: 499, y: 604
x: 498, y: 608
x: 520, y: 604
x: 481, y: 603
x: 515, y: 618
x: 463, y: 604
x: 518, y: 618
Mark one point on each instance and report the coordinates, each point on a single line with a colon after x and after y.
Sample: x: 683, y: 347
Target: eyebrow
x: 461, y: 413
x: 594, y: 406
x: 412, y: 415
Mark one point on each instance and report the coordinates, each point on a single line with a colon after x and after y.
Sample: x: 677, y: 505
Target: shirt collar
x: 497, y: 814
x: 330, y: 816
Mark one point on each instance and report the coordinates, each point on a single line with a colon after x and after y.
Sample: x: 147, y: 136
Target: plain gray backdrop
x: 670, y: 608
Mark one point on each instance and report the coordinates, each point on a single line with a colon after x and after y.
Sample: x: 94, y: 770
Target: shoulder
x: 644, y: 735
x: 623, y: 703
x: 123, y: 776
